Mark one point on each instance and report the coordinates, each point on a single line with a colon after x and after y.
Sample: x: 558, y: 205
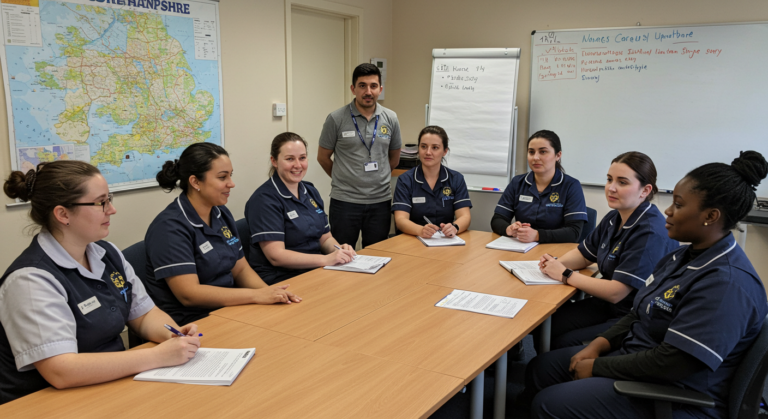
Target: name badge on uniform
x: 293, y: 215
x: 89, y: 305
x: 371, y: 166
x: 206, y: 247
x: 419, y: 200
x: 347, y: 134
x: 526, y: 198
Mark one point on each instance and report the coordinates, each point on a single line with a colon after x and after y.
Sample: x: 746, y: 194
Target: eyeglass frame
x: 102, y: 204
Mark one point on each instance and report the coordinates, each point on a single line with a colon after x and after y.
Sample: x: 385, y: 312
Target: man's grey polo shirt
x: 350, y: 182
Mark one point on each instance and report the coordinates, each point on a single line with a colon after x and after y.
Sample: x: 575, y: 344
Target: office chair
x: 746, y: 388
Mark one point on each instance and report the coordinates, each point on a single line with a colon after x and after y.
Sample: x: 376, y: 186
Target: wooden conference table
x: 356, y: 346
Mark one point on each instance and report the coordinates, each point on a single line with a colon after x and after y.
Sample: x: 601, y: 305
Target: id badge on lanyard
x: 370, y: 165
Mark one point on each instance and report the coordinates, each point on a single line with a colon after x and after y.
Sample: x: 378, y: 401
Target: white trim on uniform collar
x: 712, y: 260
x: 278, y: 189
x: 219, y: 210
x: 304, y: 186
x: 610, y: 221
x: 417, y: 171
x: 626, y: 227
x: 178, y: 200
x: 562, y: 176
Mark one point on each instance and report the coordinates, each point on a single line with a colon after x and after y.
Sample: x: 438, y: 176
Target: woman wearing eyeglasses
x: 65, y: 300
x: 195, y: 259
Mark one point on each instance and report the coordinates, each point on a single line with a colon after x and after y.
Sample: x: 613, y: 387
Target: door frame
x: 353, y: 42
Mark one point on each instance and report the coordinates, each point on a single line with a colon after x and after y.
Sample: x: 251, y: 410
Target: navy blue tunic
x: 274, y: 214
x: 711, y: 307
x: 414, y: 196
x: 562, y: 200
x: 178, y: 242
x: 629, y: 254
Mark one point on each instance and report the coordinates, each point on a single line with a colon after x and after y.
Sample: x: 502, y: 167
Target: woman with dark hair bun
x: 692, y: 323
x: 290, y: 232
x: 626, y: 246
x: 547, y: 205
x: 65, y: 300
x: 195, y: 259
x: 431, y: 191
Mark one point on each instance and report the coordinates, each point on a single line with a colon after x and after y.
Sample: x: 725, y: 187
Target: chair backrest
x: 245, y: 235
x: 747, y: 385
x: 591, y: 223
x: 136, y: 255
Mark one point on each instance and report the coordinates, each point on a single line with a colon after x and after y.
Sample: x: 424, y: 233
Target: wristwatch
x: 456, y: 226
x: 566, y: 274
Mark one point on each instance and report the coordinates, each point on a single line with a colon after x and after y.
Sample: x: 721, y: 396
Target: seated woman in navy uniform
x: 626, y: 246
x: 548, y: 205
x: 290, y: 233
x: 691, y: 324
x: 195, y: 260
x: 65, y: 300
x: 431, y: 191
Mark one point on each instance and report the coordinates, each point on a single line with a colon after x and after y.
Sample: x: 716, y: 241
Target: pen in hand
x: 177, y: 333
x: 339, y: 247
x: 439, y: 230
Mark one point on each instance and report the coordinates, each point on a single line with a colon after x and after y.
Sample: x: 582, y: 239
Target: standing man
x: 365, y: 138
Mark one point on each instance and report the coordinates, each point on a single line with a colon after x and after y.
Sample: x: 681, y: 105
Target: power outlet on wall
x: 278, y: 109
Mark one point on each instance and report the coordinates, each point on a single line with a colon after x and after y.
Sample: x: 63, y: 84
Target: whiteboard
x: 684, y: 95
x: 472, y: 96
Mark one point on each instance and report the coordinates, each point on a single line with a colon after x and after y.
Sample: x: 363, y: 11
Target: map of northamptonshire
x: 118, y: 88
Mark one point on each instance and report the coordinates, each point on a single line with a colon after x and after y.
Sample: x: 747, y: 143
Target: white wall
x: 421, y: 25
x: 254, y: 76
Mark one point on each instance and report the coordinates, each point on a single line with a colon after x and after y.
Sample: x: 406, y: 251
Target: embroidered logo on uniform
x: 447, y: 191
x: 616, y: 249
x: 119, y: 282
x: 554, y: 197
x: 384, y: 130
x: 312, y: 201
x: 225, y: 231
x: 671, y: 292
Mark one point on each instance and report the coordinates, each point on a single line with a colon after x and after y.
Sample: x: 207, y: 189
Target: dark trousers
x: 557, y: 395
x: 581, y: 321
x: 348, y: 219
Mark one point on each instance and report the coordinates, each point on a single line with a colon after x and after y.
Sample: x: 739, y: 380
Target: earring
x: 198, y: 189
x: 67, y: 223
x: 706, y: 224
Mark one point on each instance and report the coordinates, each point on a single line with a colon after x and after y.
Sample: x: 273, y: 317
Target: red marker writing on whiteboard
x: 492, y: 189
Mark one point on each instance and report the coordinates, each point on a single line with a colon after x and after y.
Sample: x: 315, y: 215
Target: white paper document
x: 494, y: 305
x: 363, y: 264
x: 210, y: 366
x: 511, y: 244
x: 439, y: 239
x: 529, y: 272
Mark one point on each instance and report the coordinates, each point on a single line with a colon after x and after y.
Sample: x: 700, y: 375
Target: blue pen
x: 177, y: 333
